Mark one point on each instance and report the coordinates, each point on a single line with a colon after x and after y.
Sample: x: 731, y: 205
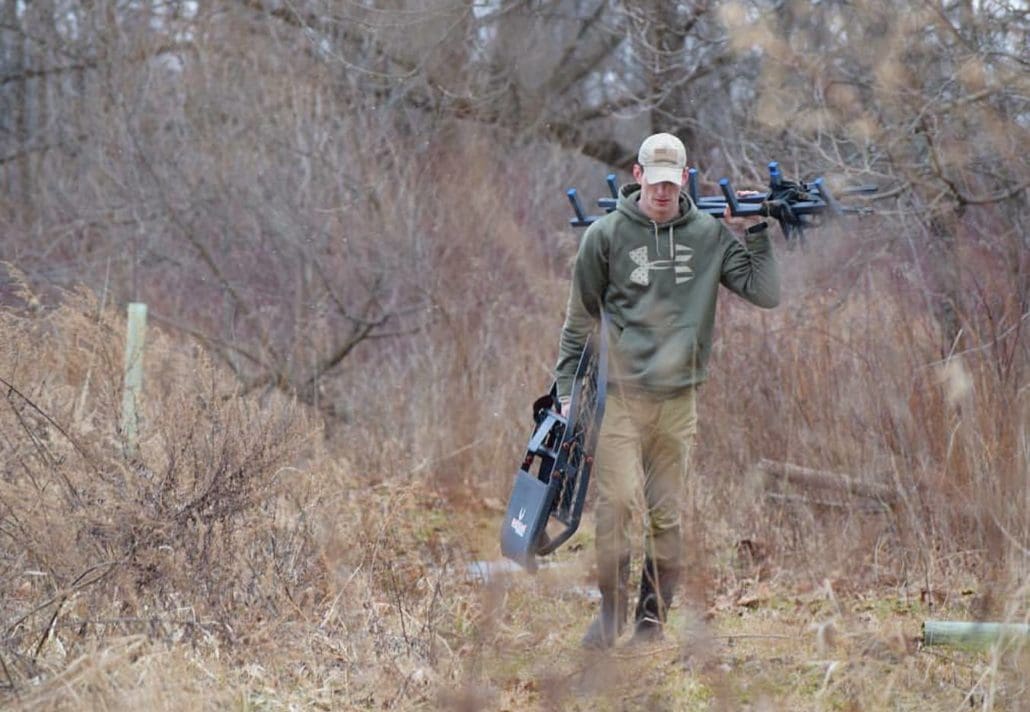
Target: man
x: 654, y: 265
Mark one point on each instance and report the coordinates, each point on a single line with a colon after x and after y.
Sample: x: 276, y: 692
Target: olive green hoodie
x: 658, y: 284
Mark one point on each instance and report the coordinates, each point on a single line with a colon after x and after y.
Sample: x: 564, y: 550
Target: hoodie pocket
x: 657, y: 356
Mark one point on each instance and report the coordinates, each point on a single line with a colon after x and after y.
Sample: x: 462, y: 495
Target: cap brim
x: 663, y: 174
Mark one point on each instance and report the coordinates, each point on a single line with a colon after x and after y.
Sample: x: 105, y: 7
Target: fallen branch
x: 777, y: 474
x: 865, y: 505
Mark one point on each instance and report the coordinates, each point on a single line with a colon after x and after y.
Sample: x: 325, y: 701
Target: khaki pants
x: 643, y: 456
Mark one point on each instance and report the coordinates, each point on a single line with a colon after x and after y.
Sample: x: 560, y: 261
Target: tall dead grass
x: 185, y: 538
x: 268, y: 561
x: 230, y: 561
x: 848, y: 376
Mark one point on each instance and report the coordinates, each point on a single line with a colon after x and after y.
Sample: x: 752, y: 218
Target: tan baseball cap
x: 663, y: 158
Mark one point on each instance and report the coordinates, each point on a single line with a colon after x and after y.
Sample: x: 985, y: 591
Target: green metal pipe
x: 972, y: 633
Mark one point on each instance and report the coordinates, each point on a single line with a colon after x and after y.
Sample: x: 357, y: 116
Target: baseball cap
x: 663, y: 158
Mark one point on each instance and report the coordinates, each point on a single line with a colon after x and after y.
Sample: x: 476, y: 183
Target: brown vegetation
x: 346, y: 224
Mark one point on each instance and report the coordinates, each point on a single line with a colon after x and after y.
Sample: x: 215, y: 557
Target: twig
x: 7, y: 673
x: 62, y: 431
x: 981, y: 347
x: 64, y: 593
x: 213, y: 340
x: 757, y: 636
x: 49, y: 461
x: 48, y: 632
x: 823, y: 480
x: 646, y: 652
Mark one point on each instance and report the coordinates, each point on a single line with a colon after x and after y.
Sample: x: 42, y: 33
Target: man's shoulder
x: 611, y: 223
x: 608, y: 220
x: 602, y: 228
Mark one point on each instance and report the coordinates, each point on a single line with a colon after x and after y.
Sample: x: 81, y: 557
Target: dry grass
x: 246, y: 560
x: 277, y: 192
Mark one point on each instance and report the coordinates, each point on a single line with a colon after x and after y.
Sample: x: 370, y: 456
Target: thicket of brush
x: 228, y: 537
x: 354, y: 251
x: 329, y: 561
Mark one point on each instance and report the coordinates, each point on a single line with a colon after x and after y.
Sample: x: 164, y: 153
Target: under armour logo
x: 680, y: 264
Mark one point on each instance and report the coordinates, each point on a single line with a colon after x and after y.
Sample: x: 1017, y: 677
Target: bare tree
x: 263, y: 173
x: 930, y: 100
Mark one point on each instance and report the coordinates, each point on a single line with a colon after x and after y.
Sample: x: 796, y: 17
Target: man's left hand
x: 739, y: 222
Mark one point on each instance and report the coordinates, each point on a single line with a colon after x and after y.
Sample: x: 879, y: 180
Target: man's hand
x: 738, y: 222
x: 779, y: 210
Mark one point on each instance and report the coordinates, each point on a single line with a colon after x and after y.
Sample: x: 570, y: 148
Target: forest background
x: 348, y: 222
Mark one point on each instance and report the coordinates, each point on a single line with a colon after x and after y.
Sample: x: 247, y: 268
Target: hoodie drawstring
x: 657, y: 249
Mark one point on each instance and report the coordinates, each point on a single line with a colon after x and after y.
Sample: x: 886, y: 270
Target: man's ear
x: 638, y: 173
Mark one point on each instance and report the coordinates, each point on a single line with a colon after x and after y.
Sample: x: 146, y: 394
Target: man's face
x: 659, y: 201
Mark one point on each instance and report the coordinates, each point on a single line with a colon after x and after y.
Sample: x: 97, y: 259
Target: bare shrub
x: 189, y: 532
x: 847, y: 377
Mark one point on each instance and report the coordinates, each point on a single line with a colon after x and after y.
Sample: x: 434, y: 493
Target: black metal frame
x: 554, y: 477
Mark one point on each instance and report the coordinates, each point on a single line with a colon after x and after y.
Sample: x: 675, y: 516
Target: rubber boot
x: 657, y: 585
x: 613, y: 581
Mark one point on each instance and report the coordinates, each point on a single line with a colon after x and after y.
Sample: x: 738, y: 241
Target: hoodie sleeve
x: 589, y: 281
x: 750, y: 270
